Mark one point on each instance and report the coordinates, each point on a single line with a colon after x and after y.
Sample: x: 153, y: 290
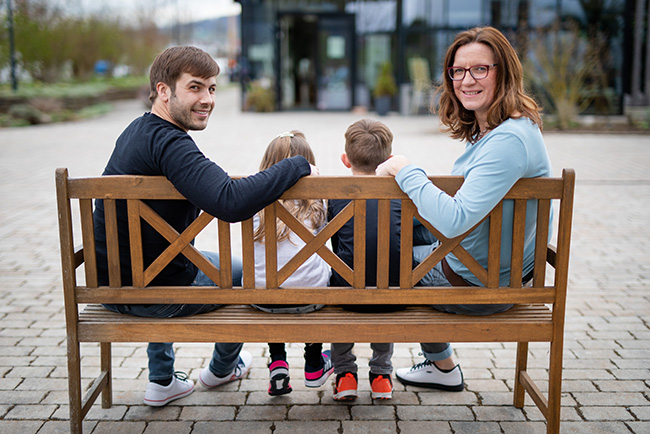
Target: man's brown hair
x: 169, y: 65
x: 368, y: 143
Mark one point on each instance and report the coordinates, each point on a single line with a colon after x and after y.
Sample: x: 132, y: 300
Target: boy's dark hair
x: 368, y: 143
x: 169, y: 65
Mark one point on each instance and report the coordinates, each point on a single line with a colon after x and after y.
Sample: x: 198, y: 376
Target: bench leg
x: 107, y: 392
x: 74, y: 385
x: 554, y: 388
x: 521, y: 365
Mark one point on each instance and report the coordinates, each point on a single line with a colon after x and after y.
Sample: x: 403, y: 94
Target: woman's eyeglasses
x: 478, y: 72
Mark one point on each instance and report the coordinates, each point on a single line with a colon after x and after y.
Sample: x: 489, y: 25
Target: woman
x: 482, y: 102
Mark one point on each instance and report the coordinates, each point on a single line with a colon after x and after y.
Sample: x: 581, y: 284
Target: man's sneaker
x: 381, y: 386
x: 345, y: 388
x: 157, y: 395
x: 316, y: 377
x: 279, y: 382
x: 427, y: 374
x: 209, y: 380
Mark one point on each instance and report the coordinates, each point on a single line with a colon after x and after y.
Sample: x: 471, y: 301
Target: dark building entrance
x: 316, y: 65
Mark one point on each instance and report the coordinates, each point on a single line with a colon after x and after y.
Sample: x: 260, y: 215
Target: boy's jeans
x: 161, y: 354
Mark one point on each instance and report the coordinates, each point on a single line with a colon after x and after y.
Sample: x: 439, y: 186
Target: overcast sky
x: 163, y: 11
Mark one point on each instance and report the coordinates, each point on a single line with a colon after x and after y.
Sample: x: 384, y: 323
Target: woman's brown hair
x: 510, y: 99
x: 288, y: 145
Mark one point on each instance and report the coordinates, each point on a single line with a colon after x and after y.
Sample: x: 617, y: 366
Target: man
x: 182, y: 91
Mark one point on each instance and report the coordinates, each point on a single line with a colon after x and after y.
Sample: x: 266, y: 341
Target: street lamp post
x: 12, y: 50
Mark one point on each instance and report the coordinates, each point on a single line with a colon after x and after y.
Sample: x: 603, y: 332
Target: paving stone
x: 369, y: 427
x: 488, y: 413
x: 607, y: 398
x: 631, y: 374
x: 21, y: 397
x: 441, y: 398
x: 425, y: 412
x: 307, y: 427
x: 244, y: 427
x: 16, y: 361
x: 63, y: 427
x: 587, y: 374
x: 10, y: 383
x: 295, y: 397
x: 135, y: 427
x: 317, y: 412
x: 638, y: 427
x: 48, y: 384
x: 566, y: 413
x: 476, y: 427
x: 622, y: 386
x: 116, y: 412
x: 631, y: 363
x: 486, y: 386
x: 642, y: 413
x: 20, y: 427
x: 168, y: 428
x: 372, y: 412
x: 30, y: 372
x: 417, y: 427
x: 525, y: 427
x: 148, y: 413
x: 401, y: 398
x: 606, y: 413
x: 595, y: 428
x: 41, y: 412
x: 263, y: 412
x: 207, y: 413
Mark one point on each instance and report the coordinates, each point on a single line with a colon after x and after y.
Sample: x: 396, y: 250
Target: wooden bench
x: 537, y: 317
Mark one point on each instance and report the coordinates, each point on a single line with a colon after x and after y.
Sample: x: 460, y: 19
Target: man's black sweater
x: 155, y: 147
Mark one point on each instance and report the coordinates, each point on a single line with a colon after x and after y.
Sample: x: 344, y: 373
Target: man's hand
x: 391, y: 166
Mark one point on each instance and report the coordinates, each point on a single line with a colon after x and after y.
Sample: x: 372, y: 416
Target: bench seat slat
x: 329, y: 296
x: 243, y: 323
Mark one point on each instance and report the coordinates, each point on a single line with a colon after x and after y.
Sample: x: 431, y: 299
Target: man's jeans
x: 161, y: 354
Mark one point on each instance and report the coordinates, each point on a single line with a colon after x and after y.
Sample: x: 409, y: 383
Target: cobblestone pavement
x: 606, y: 384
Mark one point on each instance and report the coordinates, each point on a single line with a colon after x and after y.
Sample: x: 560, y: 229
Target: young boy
x: 367, y: 144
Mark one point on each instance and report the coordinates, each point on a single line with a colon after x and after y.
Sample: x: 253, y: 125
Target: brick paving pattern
x: 606, y: 387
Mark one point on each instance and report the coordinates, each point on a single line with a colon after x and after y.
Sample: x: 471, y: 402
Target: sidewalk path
x: 606, y: 386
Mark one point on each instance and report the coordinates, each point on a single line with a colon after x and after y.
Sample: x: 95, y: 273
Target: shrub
x: 385, y: 85
x: 260, y: 99
x: 28, y: 113
x: 558, y: 70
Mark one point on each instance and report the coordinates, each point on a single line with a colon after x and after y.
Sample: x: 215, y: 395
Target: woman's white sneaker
x: 427, y: 374
x: 209, y: 380
x: 157, y: 395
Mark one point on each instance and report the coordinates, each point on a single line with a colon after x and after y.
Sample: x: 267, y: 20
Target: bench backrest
x: 136, y: 189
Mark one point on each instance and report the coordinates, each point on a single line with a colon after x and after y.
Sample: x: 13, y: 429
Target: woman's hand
x: 391, y: 166
x: 314, y: 170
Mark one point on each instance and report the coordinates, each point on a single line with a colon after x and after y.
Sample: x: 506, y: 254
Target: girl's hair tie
x: 287, y: 134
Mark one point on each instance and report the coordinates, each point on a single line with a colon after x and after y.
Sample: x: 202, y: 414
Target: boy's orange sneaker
x: 381, y: 386
x: 345, y: 388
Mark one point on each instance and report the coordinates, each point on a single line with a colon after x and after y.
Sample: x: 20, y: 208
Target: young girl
x: 313, y: 272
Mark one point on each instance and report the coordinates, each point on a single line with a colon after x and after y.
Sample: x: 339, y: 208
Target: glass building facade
x: 326, y: 54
